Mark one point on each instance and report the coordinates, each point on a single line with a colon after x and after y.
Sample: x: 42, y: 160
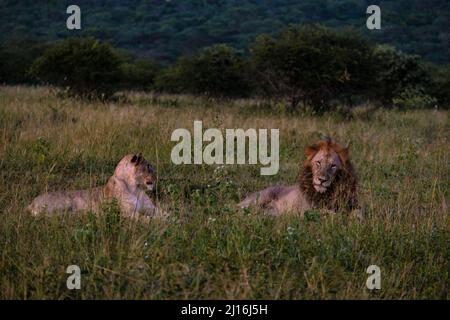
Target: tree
x: 397, y: 75
x: 139, y: 74
x: 311, y: 64
x: 84, y: 66
x: 218, y: 71
x: 439, y: 86
x: 16, y: 58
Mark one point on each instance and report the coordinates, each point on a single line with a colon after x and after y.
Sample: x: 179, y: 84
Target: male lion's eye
x: 333, y: 166
x: 318, y: 163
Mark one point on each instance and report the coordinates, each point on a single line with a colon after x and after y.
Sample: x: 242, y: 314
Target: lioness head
x: 136, y: 172
x: 145, y: 174
x: 326, y: 159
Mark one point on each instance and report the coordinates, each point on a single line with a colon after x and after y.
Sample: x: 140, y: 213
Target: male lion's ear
x: 134, y: 159
x: 310, y: 151
x: 344, y: 154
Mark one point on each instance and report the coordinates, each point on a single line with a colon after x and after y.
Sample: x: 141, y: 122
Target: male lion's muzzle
x: 322, y: 183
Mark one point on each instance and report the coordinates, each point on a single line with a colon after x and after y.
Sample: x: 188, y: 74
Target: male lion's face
x: 145, y: 174
x: 326, y: 159
x: 325, y: 165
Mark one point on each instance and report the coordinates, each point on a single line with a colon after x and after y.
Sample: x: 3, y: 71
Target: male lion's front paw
x: 327, y: 212
x: 357, y: 214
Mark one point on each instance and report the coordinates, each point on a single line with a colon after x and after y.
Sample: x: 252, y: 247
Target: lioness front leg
x: 152, y: 211
x: 146, y: 206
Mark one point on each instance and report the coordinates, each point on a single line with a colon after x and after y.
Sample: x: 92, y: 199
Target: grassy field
x: 207, y: 248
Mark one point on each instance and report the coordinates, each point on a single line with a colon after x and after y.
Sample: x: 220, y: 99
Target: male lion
x: 132, y: 176
x: 327, y: 181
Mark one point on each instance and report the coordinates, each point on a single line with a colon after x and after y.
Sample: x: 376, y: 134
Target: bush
x: 16, y: 58
x: 311, y: 64
x: 139, y: 74
x: 413, y: 98
x: 218, y: 71
x: 440, y: 84
x: 84, y: 66
x: 398, y: 76
x: 173, y: 79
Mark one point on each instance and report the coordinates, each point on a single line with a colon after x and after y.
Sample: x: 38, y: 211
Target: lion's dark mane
x: 341, y: 195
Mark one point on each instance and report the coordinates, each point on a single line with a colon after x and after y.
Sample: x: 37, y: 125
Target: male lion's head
x: 328, y: 178
x: 326, y: 159
x: 136, y: 171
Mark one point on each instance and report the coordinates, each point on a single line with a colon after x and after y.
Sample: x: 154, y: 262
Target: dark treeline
x: 307, y: 66
x: 164, y: 30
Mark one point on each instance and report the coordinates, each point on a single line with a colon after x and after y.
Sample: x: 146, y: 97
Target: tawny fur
x: 327, y: 181
x: 132, y: 176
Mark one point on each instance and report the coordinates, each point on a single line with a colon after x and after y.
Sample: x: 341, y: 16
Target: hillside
x: 165, y: 29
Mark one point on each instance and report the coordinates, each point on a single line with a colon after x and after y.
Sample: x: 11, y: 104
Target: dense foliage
x: 397, y: 75
x: 139, y: 73
x: 165, y: 30
x: 312, y: 64
x: 305, y: 65
x: 85, y: 67
x: 16, y: 58
x: 228, y: 49
x: 217, y: 71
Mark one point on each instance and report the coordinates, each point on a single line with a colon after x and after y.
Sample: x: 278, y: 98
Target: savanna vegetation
x: 165, y: 30
x: 73, y: 103
x: 303, y: 66
x: 208, y: 248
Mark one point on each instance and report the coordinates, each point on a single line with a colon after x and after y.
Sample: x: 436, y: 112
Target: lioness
x: 132, y: 177
x: 327, y: 181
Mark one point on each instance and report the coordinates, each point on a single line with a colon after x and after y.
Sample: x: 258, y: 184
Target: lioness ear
x: 134, y: 159
x: 139, y: 158
x: 310, y: 151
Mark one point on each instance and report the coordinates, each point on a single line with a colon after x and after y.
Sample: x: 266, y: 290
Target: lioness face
x: 325, y: 165
x: 145, y: 174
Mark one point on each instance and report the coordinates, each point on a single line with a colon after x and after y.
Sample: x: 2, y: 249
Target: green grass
x: 207, y: 248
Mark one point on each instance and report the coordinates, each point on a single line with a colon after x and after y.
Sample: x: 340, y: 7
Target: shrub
x: 413, y: 98
x: 139, y: 74
x: 311, y: 64
x: 440, y: 84
x: 16, y: 58
x: 173, y: 78
x: 397, y: 74
x: 218, y: 71
x: 84, y: 66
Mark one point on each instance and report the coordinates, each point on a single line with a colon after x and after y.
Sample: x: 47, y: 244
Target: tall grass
x: 207, y: 248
